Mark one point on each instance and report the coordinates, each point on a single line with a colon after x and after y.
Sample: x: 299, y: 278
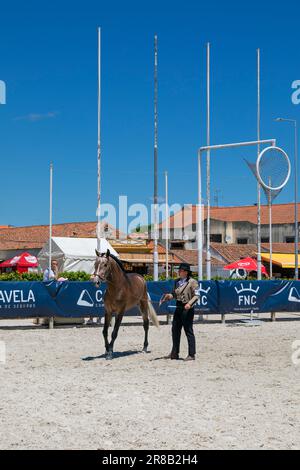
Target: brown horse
x: 124, y: 291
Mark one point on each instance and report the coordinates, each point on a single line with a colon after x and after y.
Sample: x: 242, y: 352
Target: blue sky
x: 48, y: 59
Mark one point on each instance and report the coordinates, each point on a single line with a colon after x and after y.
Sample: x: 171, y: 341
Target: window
x: 265, y: 240
x: 216, y: 238
x: 177, y: 245
x: 290, y: 240
x: 242, y: 241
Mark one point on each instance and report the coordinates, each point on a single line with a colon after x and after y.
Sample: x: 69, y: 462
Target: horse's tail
x: 152, y: 314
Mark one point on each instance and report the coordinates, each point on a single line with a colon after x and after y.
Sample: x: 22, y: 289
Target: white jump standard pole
x: 270, y: 231
x: 167, y: 225
x: 259, y: 276
x: 208, y: 257
x: 51, y: 319
x: 199, y: 222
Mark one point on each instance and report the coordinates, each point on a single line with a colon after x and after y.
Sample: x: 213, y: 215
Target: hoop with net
x: 273, y: 168
x: 273, y: 171
x: 272, y: 164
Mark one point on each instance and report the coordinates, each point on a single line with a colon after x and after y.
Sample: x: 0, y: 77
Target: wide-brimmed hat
x: 185, y: 267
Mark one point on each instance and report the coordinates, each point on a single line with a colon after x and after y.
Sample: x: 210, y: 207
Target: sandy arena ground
x: 58, y: 392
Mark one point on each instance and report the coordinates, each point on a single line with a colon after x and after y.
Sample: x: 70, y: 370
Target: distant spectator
x: 51, y: 274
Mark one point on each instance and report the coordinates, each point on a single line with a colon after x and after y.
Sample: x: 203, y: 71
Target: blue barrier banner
x: 50, y: 299
x: 286, y: 298
x: 26, y: 300
x: 243, y: 297
x: 79, y: 299
x: 258, y: 296
x: 208, y: 298
x: 83, y: 299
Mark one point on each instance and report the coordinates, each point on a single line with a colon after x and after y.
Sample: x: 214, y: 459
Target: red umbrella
x: 21, y: 262
x: 248, y: 264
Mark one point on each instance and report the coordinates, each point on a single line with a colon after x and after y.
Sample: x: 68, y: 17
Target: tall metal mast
x: 208, y: 261
x: 259, y: 276
x: 155, y: 251
x: 98, y: 231
x: 167, y: 224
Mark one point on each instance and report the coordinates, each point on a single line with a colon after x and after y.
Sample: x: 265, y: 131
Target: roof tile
x: 35, y: 236
x: 281, y: 214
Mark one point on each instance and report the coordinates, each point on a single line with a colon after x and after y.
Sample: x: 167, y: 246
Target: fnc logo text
x: 247, y: 295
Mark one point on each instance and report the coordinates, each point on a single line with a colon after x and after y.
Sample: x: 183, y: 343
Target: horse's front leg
x: 144, y: 312
x: 119, y: 318
x: 107, y: 323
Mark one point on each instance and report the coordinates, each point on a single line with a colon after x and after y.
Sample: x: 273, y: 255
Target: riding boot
x: 173, y: 356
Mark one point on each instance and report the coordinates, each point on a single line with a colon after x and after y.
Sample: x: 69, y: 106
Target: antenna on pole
x: 98, y: 231
x: 155, y: 251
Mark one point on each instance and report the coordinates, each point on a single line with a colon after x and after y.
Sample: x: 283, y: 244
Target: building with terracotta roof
x: 191, y: 257
x: 15, y: 240
x: 137, y: 254
x: 232, y: 225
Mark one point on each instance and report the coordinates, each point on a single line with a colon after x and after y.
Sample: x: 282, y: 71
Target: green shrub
x: 15, y: 276
x: 79, y: 276
x: 31, y: 277
x: 82, y: 276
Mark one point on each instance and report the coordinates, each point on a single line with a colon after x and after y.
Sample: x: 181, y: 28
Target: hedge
x: 71, y: 276
x: 82, y: 276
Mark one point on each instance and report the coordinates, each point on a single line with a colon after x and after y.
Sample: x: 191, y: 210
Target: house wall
x: 231, y: 232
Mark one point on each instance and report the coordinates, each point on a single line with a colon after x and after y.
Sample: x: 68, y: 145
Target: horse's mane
x: 119, y: 263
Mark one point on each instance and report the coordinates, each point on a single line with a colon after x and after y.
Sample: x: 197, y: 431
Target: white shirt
x: 48, y: 275
x: 181, y: 282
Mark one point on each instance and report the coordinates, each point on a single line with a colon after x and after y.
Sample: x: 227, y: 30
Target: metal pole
x: 296, y: 205
x: 99, y: 147
x: 167, y: 226
x: 296, y: 194
x: 155, y: 251
x: 208, y: 262
x: 238, y: 144
x: 51, y: 319
x: 258, y: 184
x: 270, y: 231
x: 199, y: 222
x: 50, y: 216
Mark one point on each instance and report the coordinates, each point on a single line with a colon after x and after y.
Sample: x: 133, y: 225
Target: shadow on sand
x: 117, y: 355
x: 164, y: 358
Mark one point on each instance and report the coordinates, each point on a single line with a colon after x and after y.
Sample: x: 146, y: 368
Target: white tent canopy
x: 73, y: 254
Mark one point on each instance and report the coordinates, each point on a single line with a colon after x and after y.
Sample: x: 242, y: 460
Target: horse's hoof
x: 109, y: 356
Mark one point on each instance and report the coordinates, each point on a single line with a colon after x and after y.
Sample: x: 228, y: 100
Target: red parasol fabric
x: 248, y: 264
x: 21, y: 262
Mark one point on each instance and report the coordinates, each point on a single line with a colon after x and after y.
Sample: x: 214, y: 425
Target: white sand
x: 242, y: 392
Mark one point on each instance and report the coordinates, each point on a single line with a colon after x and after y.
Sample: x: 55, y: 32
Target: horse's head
x: 102, y: 268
